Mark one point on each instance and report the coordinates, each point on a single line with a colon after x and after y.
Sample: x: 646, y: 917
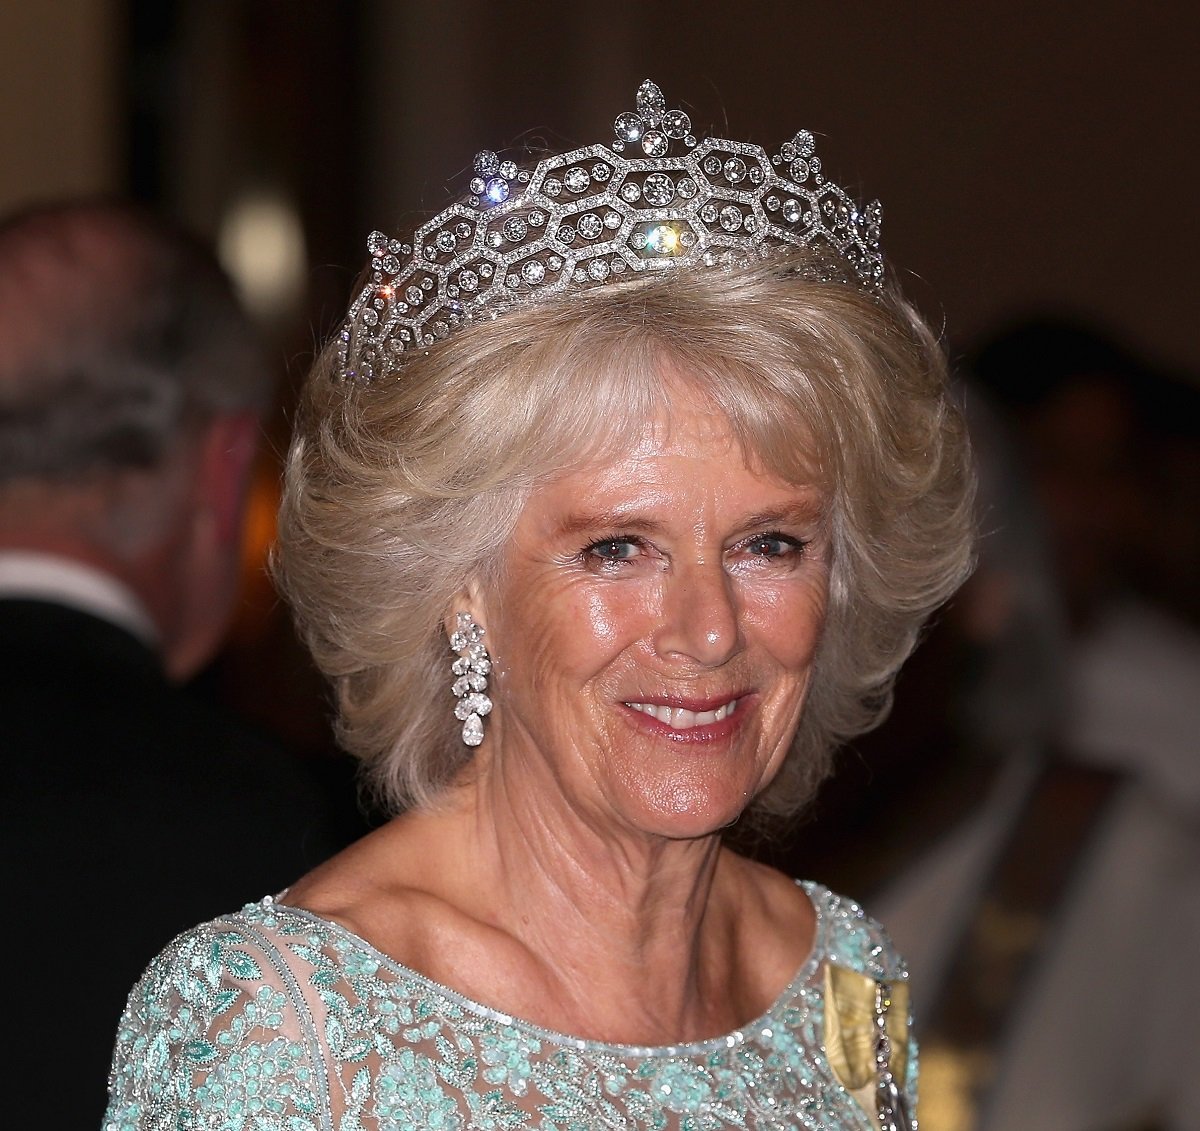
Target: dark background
x: 1029, y: 157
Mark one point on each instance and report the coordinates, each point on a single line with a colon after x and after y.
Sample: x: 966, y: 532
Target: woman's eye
x: 774, y: 546
x: 613, y: 550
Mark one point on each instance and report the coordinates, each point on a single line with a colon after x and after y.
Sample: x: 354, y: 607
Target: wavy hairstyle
x: 399, y: 492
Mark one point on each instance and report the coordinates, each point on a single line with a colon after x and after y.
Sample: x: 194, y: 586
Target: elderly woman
x: 616, y: 504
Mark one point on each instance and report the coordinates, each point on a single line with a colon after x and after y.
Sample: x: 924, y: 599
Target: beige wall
x: 58, y: 98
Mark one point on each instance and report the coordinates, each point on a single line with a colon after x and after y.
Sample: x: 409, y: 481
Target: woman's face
x: 653, y: 632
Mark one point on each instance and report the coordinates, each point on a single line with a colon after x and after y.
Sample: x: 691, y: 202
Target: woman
x: 677, y: 492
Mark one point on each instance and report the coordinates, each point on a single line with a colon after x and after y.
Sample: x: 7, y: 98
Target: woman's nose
x: 700, y: 621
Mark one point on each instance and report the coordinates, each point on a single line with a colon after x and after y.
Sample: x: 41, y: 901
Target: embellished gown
x: 275, y: 1019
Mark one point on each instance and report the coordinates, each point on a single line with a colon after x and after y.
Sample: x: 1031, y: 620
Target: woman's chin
x: 684, y: 811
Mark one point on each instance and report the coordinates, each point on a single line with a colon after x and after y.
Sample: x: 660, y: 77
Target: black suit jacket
x: 132, y: 810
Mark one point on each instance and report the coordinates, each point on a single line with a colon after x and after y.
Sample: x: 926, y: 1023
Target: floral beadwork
x: 274, y: 1019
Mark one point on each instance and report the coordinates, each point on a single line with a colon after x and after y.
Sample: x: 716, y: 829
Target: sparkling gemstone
x: 554, y: 262
x: 369, y: 317
x: 799, y: 170
x: 552, y: 186
x: 377, y: 243
x: 650, y: 99
x: 537, y: 218
x: 750, y: 224
x: 663, y: 239
x: 654, y: 143
x: 447, y: 242
x: 431, y: 252
x: 804, y: 144
x: 712, y: 165
x: 709, y: 213
x: 427, y: 283
x: 515, y: 229
x: 756, y: 174
x: 612, y: 220
x: 676, y: 124
x: 580, y: 275
x: 497, y: 190
x: 495, y: 239
x: 601, y: 172
x: 414, y: 295
x: 791, y: 210
x: 486, y: 270
x: 577, y: 179
x: 735, y: 170
x: 468, y: 280
x: 731, y: 218
x: 566, y: 234
x: 630, y: 192
x: 533, y: 272
x: 472, y: 731
x: 440, y: 329
x: 827, y: 207
x: 463, y: 231
x: 391, y: 264
x: 687, y: 237
x: 597, y: 270
x: 771, y: 203
x: 686, y: 188
x: 659, y: 190
x: 508, y: 170
x: 486, y: 163
x: 589, y: 225
x: 512, y: 282
x: 628, y: 127
x: 638, y: 240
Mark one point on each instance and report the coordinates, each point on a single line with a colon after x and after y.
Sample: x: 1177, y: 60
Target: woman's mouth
x: 683, y: 719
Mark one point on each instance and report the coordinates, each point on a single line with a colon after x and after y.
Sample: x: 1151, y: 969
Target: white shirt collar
x: 26, y: 574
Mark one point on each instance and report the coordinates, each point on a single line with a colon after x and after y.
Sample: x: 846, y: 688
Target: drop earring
x: 470, y: 670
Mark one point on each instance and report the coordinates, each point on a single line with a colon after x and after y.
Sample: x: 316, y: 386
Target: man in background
x: 131, y: 391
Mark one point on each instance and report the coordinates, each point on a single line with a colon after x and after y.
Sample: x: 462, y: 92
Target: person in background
x: 1052, y: 924
x: 131, y: 392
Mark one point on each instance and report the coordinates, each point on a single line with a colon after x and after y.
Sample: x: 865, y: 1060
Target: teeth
x: 677, y: 718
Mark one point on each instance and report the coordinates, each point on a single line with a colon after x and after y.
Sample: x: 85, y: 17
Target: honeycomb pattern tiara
x: 654, y: 199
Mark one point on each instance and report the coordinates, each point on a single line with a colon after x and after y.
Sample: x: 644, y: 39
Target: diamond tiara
x: 596, y: 215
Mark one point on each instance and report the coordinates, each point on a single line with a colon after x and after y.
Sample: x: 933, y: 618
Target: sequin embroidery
x: 274, y: 1019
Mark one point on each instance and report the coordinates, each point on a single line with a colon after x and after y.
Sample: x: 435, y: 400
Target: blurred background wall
x: 1028, y: 155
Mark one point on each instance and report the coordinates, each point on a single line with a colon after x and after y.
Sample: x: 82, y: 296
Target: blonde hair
x: 399, y: 492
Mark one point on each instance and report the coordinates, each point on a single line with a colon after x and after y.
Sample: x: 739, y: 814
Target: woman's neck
x: 626, y: 933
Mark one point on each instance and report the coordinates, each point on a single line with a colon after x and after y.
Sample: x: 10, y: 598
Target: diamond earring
x: 470, y: 678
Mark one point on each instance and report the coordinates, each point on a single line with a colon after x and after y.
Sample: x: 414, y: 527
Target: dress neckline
x: 762, y: 1025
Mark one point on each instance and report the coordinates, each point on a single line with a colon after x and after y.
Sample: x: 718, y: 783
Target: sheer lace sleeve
x: 217, y: 1026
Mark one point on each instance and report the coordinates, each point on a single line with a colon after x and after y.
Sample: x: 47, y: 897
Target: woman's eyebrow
x: 630, y: 521
x: 801, y: 511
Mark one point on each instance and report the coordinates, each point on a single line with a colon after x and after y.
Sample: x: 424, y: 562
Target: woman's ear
x: 469, y: 599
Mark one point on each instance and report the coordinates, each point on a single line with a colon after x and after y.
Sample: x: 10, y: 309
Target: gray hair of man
x: 129, y: 374
x: 117, y: 328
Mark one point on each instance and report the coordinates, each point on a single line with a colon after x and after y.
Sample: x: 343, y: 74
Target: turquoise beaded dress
x: 274, y: 1019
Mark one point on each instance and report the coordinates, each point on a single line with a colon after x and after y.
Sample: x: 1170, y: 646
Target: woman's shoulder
x: 847, y: 936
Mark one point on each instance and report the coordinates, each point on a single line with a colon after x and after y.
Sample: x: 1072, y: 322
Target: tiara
x: 652, y: 200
